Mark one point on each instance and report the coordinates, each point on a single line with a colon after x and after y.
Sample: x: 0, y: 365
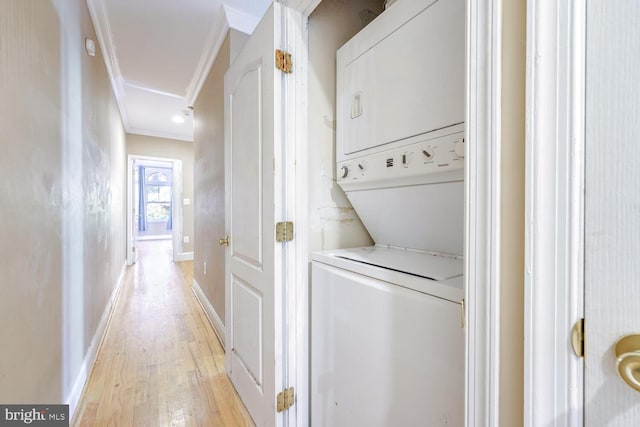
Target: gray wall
x: 514, y: 40
x: 62, y: 211
x: 151, y: 146
x: 237, y: 40
x: 209, y: 167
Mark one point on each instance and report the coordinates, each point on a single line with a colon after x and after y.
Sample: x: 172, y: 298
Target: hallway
x: 160, y: 363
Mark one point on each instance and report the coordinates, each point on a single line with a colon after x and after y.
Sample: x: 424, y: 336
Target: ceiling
x: 159, y: 52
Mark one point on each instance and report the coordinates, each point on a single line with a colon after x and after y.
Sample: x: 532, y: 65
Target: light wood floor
x: 160, y: 363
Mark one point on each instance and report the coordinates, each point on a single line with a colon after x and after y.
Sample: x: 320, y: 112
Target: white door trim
x: 178, y: 223
x: 297, y: 297
x: 295, y: 129
x: 554, y: 223
x: 177, y: 219
x: 482, y: 188
x: 131, y: 256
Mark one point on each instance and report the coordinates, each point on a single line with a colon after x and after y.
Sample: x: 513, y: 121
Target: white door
x: 254, y: 203
x: 612, y: 209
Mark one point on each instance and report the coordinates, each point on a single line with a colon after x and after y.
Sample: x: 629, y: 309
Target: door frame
x: 554, y: 209
x: 482, y: 223
x: 176, y: 198
x: 482, y: 216
x: 296, y: 366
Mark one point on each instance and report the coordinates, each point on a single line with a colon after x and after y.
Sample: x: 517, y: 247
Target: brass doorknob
x: 627, y: 352
x: 223, y: 241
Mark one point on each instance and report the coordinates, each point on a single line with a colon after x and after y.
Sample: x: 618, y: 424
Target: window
x: 158, y: 197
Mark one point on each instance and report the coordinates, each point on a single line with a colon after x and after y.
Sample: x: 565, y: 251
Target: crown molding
x: 144, y: 88
x: 159, y: 134
x: 306, y: 7
x: 227, y: 19
x: 230, y: 18
x: 100, y: 20
x: 211, y: 48
x: 240, y: 21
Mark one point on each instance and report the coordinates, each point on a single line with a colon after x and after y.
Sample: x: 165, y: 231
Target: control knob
x: 344, y: 170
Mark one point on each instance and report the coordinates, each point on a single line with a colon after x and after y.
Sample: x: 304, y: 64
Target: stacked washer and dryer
x: 387, y: 330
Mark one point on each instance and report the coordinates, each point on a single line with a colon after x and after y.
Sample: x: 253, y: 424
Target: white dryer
x: 387, y: 336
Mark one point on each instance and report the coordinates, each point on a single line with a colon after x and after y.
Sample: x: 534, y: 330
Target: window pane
x: 153, y: 193
x: 158, y: 177
x: 165, y: 194
x: 157, y: 211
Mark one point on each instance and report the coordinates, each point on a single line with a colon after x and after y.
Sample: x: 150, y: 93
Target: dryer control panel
x: 431, y: 161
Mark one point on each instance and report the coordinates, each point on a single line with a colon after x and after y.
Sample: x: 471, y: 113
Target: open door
x: 134, y: 209
x: 254, y: 179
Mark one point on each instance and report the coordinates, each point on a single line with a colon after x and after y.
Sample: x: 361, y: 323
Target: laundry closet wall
x: 62, y: 215
x: 333, y: 223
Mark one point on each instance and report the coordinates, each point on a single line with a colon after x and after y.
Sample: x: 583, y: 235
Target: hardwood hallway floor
x: 160, y: 363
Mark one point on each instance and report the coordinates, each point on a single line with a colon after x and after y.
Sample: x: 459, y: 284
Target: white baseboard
x: 89, y: 359
x: 155, y: 237
x: 184, y: 256
x: 209, y: 311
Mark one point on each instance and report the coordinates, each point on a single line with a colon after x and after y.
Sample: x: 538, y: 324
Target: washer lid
x: 420, y: 264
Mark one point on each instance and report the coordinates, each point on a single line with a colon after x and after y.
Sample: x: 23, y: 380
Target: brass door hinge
x: 577, y: 338
x: 286, y: 399
x: 284, y: 231
x: 283, y: 61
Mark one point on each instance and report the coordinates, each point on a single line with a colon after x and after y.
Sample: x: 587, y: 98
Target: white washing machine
x: 384, y: 354
x: 387, y: 333
x: 387, y: 338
